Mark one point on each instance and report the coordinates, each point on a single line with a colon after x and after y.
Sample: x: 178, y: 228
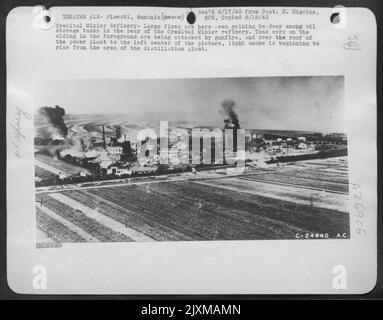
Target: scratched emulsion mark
x: 18, y: 134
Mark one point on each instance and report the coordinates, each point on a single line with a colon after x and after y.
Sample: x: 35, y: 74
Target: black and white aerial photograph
x: 194, y: 159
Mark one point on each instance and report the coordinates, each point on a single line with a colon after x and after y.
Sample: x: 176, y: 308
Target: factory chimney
x: 118, y: 132
x: 103, y: 136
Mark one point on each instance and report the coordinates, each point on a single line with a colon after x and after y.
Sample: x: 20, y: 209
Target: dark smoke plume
x: 54, y: 126
x: 228, y: 106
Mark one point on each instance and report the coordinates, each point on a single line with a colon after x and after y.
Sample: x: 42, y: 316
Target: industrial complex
x: 97, y: 151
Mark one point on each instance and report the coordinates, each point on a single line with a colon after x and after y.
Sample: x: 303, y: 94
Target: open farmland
x: 318, y: 178
x: 302, y: 198
x: 328, y: 175
x: 97, y: 230
x: 55, y: 230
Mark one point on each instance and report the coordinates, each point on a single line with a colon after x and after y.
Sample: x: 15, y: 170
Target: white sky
x: 286, y: 103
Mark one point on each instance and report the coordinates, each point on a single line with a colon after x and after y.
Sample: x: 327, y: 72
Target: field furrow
x: 79, y: 219
x: 135, y: 220
x: 56, y: 230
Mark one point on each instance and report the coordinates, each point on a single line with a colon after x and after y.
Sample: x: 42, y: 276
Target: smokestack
x: 118, y: 132
x: 103, y: 136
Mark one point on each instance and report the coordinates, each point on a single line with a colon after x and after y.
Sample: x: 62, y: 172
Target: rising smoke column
x: 54, y: 125
x: 228, y: 106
